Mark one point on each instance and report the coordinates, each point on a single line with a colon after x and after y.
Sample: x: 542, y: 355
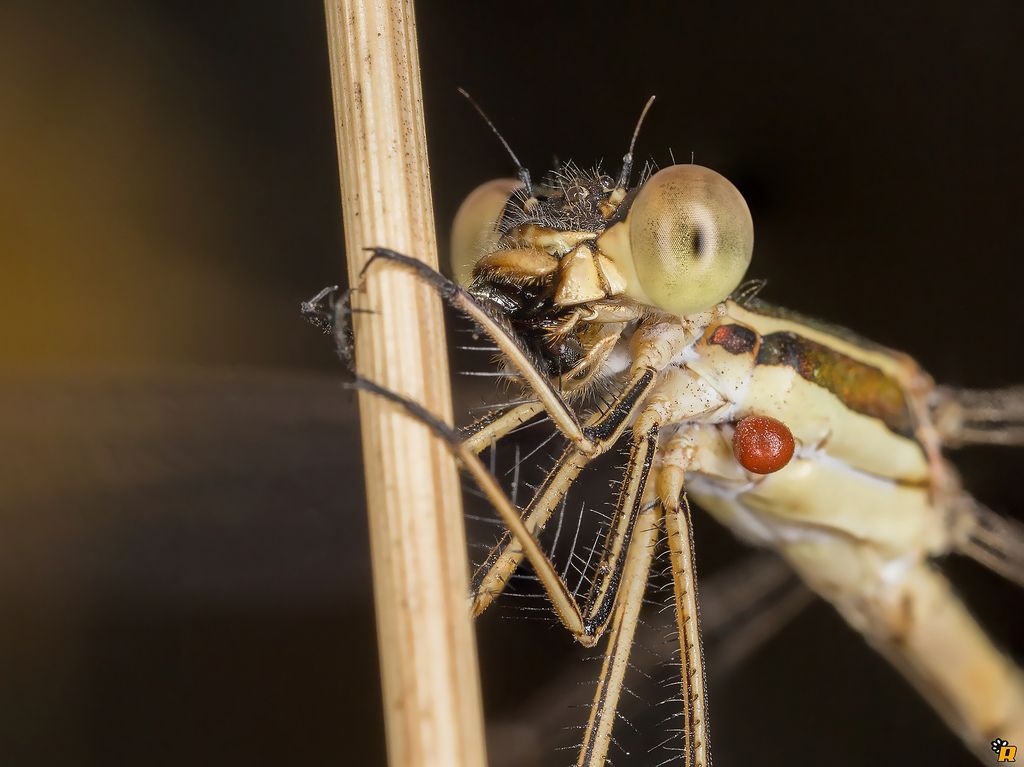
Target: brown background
x: 182, y: 567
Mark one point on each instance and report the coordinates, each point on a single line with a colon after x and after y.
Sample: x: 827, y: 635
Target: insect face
x: 681, y: 242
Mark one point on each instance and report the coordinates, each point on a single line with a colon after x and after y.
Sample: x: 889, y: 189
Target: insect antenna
x: 627, y: 160
x: 521, y: 170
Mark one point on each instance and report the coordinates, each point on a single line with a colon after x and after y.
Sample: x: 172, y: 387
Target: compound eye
x: 474, y: 231
x: 691, y: 236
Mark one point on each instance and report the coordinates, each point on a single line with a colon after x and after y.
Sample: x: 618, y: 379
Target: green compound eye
x: 473, y: 231
x: 691, y: 237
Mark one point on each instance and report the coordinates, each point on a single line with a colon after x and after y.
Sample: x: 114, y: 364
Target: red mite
x: 762, y: 445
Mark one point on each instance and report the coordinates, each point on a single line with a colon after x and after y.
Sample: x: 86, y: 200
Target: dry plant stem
x: 428, y: 657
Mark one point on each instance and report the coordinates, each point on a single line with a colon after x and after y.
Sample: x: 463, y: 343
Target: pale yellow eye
x: 474, y: 231
x: 691, y: 237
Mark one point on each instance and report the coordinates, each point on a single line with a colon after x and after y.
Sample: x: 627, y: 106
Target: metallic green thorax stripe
x: 861, y: 387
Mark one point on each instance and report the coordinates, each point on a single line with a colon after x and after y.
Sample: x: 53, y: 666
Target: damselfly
x: 799, y: 436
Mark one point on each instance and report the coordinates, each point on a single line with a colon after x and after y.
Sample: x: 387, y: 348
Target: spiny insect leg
x: 502, y: 335
x: 486, y: 431
x: 504, y: 557
x: 735, y: 601
x: 990, y: 539
x: 980, y: 416
x: 598, y: 733
x: 602, y: 597
x: 492, y: 576
x: 693, y: 679
x: 588, y: 623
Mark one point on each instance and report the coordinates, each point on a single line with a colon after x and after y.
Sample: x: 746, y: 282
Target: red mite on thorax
x: 762, y: 445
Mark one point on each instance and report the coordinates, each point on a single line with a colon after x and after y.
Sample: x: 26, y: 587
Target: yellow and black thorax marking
x: 850, y: 398
x: 860, y: 386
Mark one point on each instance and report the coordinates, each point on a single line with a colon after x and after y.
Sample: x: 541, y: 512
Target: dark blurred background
x: 183, y: 575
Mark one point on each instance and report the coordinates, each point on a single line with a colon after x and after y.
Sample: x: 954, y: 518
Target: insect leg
x: 492, y: 427
x: 601, y: 599
x: 990, y: 539
x: 598, y: 733
x: 980, y: 416
x: 485, y: 431
x: 693, y: 679
x: 760, y: 588
x: 607, y: 427
x: 504, y: 557
x: 563, y: 418
x: 650, y: 354
x: 586, y: 625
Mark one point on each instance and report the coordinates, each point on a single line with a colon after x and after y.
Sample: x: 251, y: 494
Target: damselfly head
x: 680, y: 242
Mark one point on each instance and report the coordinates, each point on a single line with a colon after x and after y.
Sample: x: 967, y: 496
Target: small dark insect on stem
x: 328, y: 310
x: 319, y: 310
